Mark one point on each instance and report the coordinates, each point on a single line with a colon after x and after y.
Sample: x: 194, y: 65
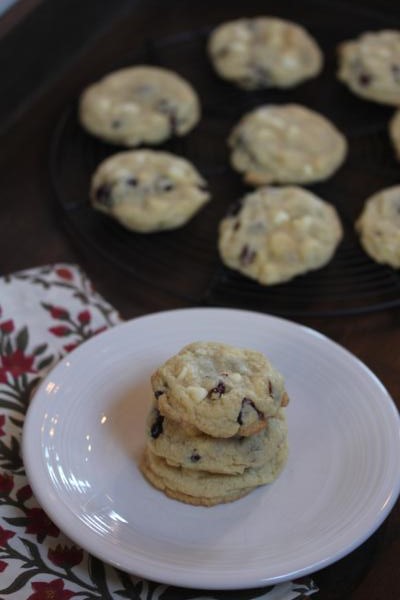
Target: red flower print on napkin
x: 65, y: 556
x: 5, y: 535
x: 38, y: 523
x: 18, y: 363
x: 50, y: 590
x: 6, y: 484
x: 64, y: 273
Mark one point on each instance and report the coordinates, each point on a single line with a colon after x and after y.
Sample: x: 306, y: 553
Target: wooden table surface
x: 49, y: 50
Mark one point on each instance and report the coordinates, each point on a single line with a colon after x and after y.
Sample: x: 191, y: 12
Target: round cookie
x: 394, y: 132
x: 148, y: 190
x: 207, y: 489
x: 264, y: 52
x: 187, y: 447
x: 219, y: 389
x: 156, y: 478
x: 378, y: 226
x: 286, y: 144
x: 139, y: 105
x: 278, y: 233
x: 370, y: 66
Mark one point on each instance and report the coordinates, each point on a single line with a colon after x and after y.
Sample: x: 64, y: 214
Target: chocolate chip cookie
x: 286, y: 144
x: 148, y: 190
x: 394, y: 132
x: 370, y: 66
x: 219, y: 389
x: 378, y: 226
x: 187, y: 447
x: 277, y: 233
x: 208, y: 489
x: 139, y: 105
x: 264, y: 52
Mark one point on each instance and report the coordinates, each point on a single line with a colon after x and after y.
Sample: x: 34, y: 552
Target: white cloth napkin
x: 44, y: 313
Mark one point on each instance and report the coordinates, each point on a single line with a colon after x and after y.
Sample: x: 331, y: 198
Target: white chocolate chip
x: 281, y: 217
x: 307, y: 169
x: 197, y: 393
x: 236, y: 377
x: 183, y: 372
x: 129, y: 107
x: 177, y: 171
x: 290, y: 61
x: 104, y: 103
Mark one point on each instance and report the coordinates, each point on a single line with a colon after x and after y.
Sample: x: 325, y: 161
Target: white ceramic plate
x: 84, y: 433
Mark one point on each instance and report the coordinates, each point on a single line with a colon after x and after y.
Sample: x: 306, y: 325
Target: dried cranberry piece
x: 247, y: 255
x: 195, y: 457
x: 248, y: 402
x: 157, y: 427
x: 364, y: 79
x: 218, y: 389
x: 103, y: 195
x: 165, y: 107
x: 164, y: 184
x: 262, y: 77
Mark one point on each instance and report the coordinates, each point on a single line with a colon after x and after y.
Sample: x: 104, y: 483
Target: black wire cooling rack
x: 185, y: 262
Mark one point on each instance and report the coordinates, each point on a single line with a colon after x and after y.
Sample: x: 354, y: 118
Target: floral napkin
x: 44, y: 313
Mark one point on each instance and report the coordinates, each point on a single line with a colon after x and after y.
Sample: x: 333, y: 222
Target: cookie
x: 148, y: 190
x: 277, y: 233
x: 370, y: 66
x: 264, y: 52
x: 159, y: 482
x: 139, y: 105
x: 378, y: 226
x: 187, y: 447
x: 208, y: 489
x: 394, y: 132
x: 219, y: 389
x: 286, y: 144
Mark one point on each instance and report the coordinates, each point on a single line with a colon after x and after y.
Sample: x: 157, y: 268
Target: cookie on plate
x: 187, y: 447
x: 139, y: 105
x: 277, y: 233
x: 394, y: 132
x: 219, y: 389
x: 378, y: 226
x: 264, y: 52
x: 148, y: 190
x: 370, y: 66
x: 286, y: 144
x: 208, y: 489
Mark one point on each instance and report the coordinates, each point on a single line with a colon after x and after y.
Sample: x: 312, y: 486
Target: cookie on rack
x: 187, y: 447
x: 264, y: 52
x: 370, y: 66
x: 286, y: 144
x: 139, y: 105
x: 208, y: 489
x: 378, y: 226
x: 394, y: 132
x: 148, y: 190
x: 278, y: 233
x: 219, y: 389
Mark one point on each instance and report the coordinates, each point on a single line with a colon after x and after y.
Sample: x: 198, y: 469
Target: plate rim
x: 189, y: 580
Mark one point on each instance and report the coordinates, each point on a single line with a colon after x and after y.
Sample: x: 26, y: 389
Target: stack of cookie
x: 217, y: 428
